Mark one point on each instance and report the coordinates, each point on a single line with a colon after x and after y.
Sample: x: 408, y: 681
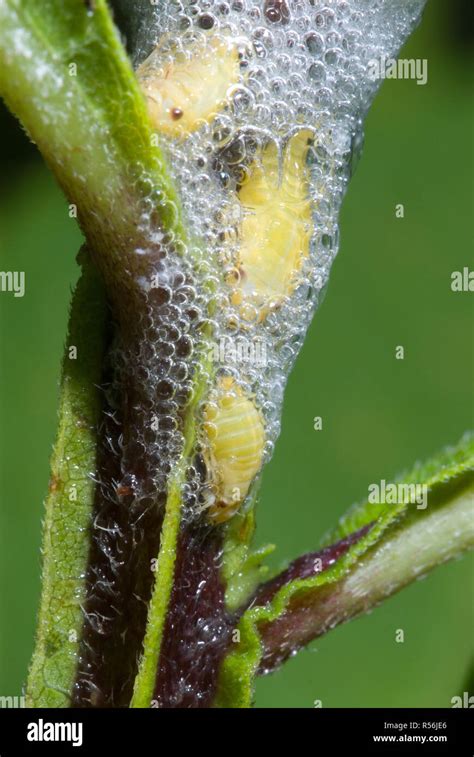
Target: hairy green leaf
x: 69, y: 502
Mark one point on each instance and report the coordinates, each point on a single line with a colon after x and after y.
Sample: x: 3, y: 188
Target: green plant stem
x: 65, y: 75
x: 402, y: 543
x: 409, y: 553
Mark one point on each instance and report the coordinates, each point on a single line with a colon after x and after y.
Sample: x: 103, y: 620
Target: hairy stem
x: 408, y: 553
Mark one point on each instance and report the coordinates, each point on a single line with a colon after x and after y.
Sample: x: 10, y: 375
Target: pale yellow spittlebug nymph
x: 233, y: 443
x: 183, y: 93
x: 275, y: 230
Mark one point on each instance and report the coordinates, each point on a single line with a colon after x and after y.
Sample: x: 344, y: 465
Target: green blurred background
x: 390, y: 286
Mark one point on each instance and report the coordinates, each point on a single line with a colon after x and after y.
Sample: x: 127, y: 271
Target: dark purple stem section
x: 198, y: 630
x: 278, y: 640
x: 307, y: 566
x: 125, y: 537
x: 198, y: 626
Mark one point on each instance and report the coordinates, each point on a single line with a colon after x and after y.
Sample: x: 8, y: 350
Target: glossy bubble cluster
x: 259, y: 106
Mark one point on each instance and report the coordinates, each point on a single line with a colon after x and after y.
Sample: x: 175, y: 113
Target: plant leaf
x: 69, y: 501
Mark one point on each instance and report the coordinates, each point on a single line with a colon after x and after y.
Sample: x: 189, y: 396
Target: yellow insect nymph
x: 233, y: 448
x: 190, y: 89
x: 275, y: 230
